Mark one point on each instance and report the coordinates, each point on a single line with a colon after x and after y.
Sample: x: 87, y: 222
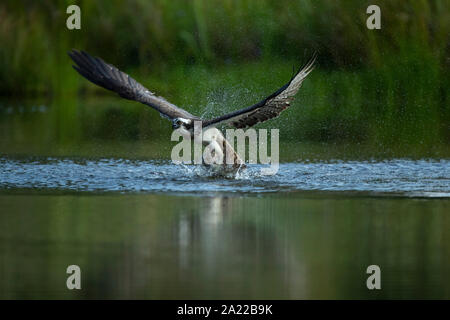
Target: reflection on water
x: 289, y: 246
x: 109, y: 127
x: 73, y: 192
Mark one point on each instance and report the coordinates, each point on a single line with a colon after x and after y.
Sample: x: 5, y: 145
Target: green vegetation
x: 384, y: 87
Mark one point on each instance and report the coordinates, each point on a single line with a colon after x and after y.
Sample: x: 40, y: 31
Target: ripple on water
x: 416, y: 178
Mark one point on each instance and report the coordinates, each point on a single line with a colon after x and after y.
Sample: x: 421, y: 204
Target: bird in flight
x: 109, y: 77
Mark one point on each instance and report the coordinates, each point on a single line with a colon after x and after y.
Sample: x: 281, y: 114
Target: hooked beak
x: 175, y: 124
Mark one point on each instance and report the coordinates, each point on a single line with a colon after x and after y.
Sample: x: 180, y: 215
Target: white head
x: 178, y: 122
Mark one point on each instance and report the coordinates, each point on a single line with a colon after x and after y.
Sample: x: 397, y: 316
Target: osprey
x: 109, y: 77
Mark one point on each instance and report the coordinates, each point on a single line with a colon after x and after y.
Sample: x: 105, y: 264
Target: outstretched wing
x: 109, y: 77
x: 268, y: 108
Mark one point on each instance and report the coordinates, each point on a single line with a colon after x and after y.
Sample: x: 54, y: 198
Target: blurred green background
x: 383, y: 90
x: 374, y: 94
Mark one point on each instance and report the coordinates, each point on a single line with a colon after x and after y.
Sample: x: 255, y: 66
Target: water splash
x: 416, y: 178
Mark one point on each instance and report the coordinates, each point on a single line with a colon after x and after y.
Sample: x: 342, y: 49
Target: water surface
x: 425, y: 178
x: 150, y: 229
x: 292, y: 246
x: 82, y: 182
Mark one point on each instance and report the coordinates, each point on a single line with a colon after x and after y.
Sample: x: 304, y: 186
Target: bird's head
x: 178, y: 122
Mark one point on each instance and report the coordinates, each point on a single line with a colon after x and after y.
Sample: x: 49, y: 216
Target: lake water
x: 141, y: 227
x: 148, y: 229
x: 409, y: 178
